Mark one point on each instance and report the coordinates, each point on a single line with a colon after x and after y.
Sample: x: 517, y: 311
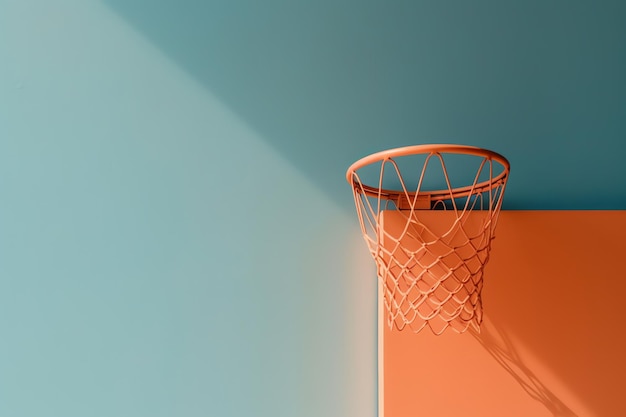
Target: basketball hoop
x: 430, y: 238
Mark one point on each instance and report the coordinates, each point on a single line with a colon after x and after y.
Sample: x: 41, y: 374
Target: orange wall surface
x: 552, y: 342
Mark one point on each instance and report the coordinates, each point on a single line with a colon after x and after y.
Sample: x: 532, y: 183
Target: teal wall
x: 176, y: 235
x: 157, y: 257
x: 328, y: 81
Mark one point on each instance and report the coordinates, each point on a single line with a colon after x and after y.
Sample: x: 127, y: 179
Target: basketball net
x: 431, y: 247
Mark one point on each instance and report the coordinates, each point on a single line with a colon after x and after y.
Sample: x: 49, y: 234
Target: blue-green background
x: 176, y: 234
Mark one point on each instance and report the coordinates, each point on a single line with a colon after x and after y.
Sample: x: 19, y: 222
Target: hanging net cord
x: 431, y: 247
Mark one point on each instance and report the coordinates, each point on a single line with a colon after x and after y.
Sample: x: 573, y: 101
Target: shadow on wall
x: 328, y: 82
x: 503, y: 350
x: 555, y: 283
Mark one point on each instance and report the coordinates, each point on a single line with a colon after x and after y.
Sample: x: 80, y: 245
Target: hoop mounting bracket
x: 422, y: 202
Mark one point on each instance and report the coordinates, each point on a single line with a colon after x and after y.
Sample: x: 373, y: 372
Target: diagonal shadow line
x: 327, y: 82
x: 501, y: 348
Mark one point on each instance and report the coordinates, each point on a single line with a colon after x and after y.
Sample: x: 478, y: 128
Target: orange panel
x: 553, y: 338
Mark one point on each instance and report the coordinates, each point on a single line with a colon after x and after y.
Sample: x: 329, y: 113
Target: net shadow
x: 497, y: 343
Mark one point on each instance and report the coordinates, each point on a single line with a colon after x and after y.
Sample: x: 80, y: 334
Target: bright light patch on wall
x: 155, y: 243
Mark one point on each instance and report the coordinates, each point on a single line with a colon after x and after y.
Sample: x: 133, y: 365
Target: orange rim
x: 431, y: 150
